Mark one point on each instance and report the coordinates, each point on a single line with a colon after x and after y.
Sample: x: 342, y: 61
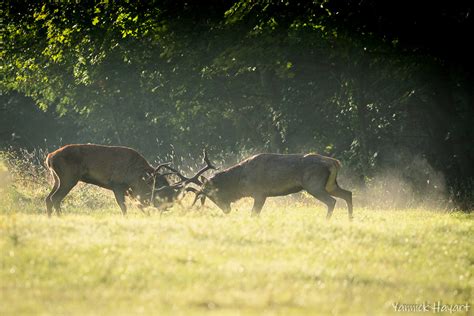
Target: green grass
x: 290, y: 261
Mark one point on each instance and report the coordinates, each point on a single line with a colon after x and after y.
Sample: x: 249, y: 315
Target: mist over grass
x: 24, y: 179
x: 4, y: 176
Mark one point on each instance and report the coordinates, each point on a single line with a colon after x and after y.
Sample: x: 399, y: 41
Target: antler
x: 195, y: 179
x: 161, y: 165
x: 176, y: 172
x: 199, y: 195
x: 155, y: 173
x: 208, y: 166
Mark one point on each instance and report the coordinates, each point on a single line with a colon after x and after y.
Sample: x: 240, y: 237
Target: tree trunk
x: 272, y: 100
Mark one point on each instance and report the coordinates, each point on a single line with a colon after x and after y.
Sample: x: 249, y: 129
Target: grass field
x: 290, y: 261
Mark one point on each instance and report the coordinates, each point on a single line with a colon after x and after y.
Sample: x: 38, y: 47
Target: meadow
x: 289, y: 261
x: 384, y: 87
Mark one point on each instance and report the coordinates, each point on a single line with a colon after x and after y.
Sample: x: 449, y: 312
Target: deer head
x: 180, y: 186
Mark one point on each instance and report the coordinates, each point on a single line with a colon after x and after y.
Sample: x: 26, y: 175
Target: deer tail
x: 49, y: 165
x: 331, y: 183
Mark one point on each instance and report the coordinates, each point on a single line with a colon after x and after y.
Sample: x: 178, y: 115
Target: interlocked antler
x: 155, y: 173
x: 208, y: 166
x: 161, y: 165
x: 195, y: 179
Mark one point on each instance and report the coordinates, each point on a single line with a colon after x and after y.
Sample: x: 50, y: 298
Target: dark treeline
x: 377, y: 84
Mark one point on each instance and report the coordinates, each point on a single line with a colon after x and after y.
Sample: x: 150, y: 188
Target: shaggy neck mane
x: 228, y: 180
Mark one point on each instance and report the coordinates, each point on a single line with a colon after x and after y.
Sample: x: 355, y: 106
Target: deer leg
x: 324, y: 197
x: 49, y: 202
x: 316, y: 186
x: 120, y: 198
x: 258, y: 204
x: 346, y: 196
x: 60, y: 193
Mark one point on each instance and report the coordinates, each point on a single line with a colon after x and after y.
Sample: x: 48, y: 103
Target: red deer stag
x: 267, y: 175
x: 120, y: 169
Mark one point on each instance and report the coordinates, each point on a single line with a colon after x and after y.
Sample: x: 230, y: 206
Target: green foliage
x: 280, y: 76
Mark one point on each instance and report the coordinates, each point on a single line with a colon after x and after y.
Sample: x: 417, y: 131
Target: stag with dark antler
x: 182, y: 185
x: 268, y: 175
x: 120, y: 169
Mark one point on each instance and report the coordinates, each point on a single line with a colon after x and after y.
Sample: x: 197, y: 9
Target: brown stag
x: 268, y: 175
x: 120, y: 169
